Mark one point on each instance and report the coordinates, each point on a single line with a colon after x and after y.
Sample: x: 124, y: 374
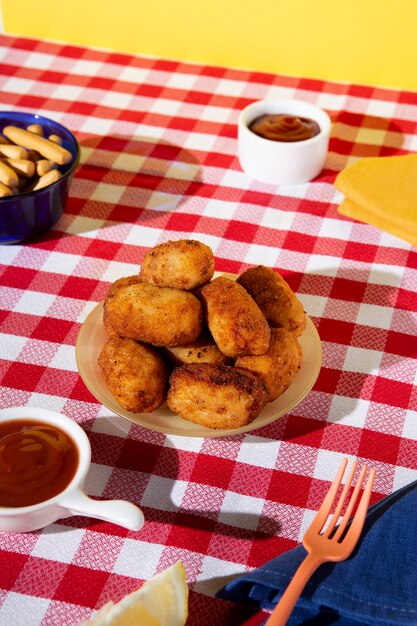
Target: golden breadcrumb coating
x: 234, y: 319
x: 215, y: 396
x: 135, y: 374
x: 185, y: 264
x: 157, y: 315
x: 279, y: 365
x: 202, y: 350
x: 275, y: 298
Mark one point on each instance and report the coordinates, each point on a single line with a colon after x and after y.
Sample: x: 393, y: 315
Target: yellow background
x: 362, y: 41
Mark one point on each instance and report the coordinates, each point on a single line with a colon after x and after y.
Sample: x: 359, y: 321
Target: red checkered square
x: 81, y: 585
x: 379, y: 446
x: 217, y: 475
x: 289, y: 488
x: 138, y: 456
x: 192, y: 532
x: 12, y: 564
x: 392, y: 392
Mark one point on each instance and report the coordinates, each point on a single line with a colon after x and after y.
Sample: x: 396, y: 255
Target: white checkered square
x: 259, y: 451
x: 220, y: 209
x: 64, y: 358
x: 348, y: 411
x: 200, y: 141
x: 403, y: 476
x: 335, y: 229
x: 189, y: 444
x: 97, y: 126
x: 263, y: 255
x: 374, y: 315
x: 323, y: 265
x: 110, y: 424
x: 116, y: 270
x: 390, y: 275
x: 129, y: 162
x: 236, y: 179
x: 138, y: 559
x: 53, y: 403
x: 229, y: 87
x: 165, y: 107
x: 70, y: 93
x: 58, y: 543
x: 328, y: 462
x: 11, y: 346
x: 381, y: 108
x: 87, y: 68
x: 27, y: 299
x: 21, y: 610
x: 215, y: 573
x: 60, y: 263
x: 164, y: 493
x: 215, y: 114
x: 240, y: 510
x: 361, y: 360
x: 105, y: 192
x: 410, y: 425
x: 116, y: 100
x: 133, y: 74
x: 97, y: 479
x: 314, y: 305
x: 181, y: 81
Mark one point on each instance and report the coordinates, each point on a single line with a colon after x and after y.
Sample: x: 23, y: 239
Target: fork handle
x: 282, y: 611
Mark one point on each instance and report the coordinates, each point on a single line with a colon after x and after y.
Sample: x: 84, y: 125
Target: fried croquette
x: 202, y: 350
x: 278, y: 366
x: 135, y: 374
x: 275, y: 298
x: 125, y: 281
x: 185, y: 264
x: 157, y: 315
x: 234, y: 319
x: 215, y: 396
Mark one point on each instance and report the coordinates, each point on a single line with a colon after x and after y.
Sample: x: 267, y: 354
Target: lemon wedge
x: 161, y: 601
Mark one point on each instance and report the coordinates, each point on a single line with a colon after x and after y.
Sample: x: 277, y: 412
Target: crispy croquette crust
x: 160, y: 316
x: 275, y: 298
x: 278, y: 366
x: 135, y: 374
x: 234, y: 319
x: 185, y: 264
x: 215, y: 396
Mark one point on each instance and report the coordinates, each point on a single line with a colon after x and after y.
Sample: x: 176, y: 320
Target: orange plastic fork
x: 328, y: 543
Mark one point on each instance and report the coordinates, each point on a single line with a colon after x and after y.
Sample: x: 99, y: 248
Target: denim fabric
x: 377, y: 585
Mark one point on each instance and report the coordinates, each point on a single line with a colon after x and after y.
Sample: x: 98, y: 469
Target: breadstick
x: 36, y: 129
x: 8, y: 176
x: 47, y: 179
x: 22, y: 167
x: 13, y: 152
x: 5, y: 190
x: 43, y: 166
x: 46, y: 148
x: 3, y: 140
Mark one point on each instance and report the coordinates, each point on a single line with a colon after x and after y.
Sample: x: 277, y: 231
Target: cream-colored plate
x: 92, y: 338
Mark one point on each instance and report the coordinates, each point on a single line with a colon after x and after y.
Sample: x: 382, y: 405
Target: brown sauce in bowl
x: 284, y: 127
x: 37, y: 461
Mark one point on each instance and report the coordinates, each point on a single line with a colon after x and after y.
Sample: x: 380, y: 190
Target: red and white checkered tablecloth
x: 159, y: 162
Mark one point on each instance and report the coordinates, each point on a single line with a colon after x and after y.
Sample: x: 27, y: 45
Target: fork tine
x: 358, y: 519
x: 340, y: 504
x: 326, y: 506
x: 349, y: 510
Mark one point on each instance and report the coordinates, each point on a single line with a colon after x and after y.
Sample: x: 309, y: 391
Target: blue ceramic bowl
x: 30, y: 214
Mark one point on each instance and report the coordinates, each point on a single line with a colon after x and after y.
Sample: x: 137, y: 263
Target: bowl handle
x: 118, y: 512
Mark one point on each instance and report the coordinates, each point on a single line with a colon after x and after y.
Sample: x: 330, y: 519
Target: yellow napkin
x: 382, y: 191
